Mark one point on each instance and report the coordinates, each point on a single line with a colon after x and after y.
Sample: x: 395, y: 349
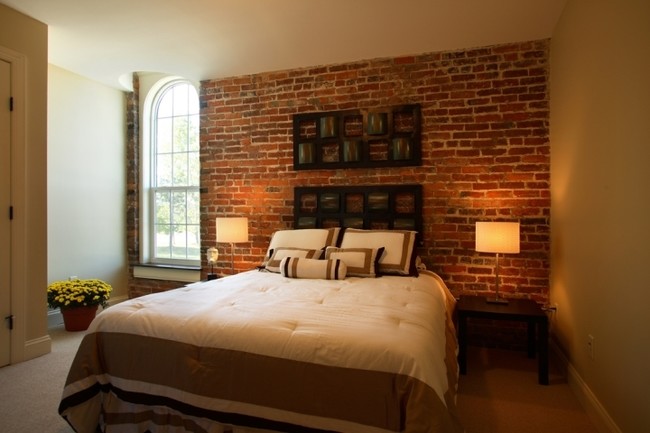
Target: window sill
x: 186, y: 274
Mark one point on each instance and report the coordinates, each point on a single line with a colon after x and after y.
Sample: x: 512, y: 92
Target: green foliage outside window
x: 176, y: 177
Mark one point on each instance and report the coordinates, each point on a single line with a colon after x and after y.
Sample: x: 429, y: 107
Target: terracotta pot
x: 78, y: 318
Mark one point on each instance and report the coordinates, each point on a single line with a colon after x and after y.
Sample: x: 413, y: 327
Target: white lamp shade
x: 232, y: 229
x: 497, y: 237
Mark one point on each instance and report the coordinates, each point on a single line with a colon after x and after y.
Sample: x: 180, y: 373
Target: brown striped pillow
x: 361, y: 262
x: 399, y: 246
x: 278, y: 254
x: 313, y: 239
x: 298, y: 267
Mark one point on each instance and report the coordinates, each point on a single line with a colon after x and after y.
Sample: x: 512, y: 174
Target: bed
x: 336, y: 332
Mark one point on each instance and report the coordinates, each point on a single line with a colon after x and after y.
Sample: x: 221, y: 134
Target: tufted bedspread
x: 260, y: 351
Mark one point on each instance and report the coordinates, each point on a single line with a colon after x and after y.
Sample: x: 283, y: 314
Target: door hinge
x: 10, y: 321
x: 11, y: 103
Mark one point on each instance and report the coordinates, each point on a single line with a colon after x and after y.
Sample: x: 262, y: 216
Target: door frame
x: 18, y: 249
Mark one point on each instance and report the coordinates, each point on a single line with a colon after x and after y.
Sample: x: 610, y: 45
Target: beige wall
x: 68, y: 182
x: 86, y: 181
x: 600, y: 147
x: 26, y: 38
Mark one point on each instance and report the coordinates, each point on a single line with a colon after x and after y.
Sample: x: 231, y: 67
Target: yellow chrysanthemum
x: 77, y: 293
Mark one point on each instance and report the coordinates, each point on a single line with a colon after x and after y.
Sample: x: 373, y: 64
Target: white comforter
x: 388, y: 324
x: 359, y: 313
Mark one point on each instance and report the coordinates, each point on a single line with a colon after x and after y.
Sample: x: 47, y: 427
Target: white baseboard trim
x: 54, y: 318
x: 595, y: 410
x: 167, y: 273
x: 37, y: 347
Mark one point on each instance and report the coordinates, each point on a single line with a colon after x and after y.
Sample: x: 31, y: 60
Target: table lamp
x: 232, y: 230
x: 499, y: 238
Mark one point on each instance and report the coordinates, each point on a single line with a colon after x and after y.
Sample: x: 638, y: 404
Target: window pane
x: 179, y: 207
x: 193, y: 208
x: 162, y: 207
x: 180, y: 134
x: 164, y: 170
x: 165, y: 104
x: 193, y: 242
x: 194, y: 169
x: 193, y: 100
x: 180, y: 169
x: 193, y: 133
x: 162, y: 249
x: 181, y: 100
x: 164, y: 136
x: 179, y: 242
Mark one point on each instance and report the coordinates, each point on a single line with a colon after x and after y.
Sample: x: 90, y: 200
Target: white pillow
x: 313, y: 239
x: 278, y: 254
x: 398, y: 258
x: 297, y: 267
x: 361, y: 262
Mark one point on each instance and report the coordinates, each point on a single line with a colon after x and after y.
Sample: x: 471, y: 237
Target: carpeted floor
x: 499, y: 394
x: 31, y: 390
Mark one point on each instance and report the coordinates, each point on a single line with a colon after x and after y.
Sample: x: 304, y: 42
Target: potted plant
x: 78, y: 300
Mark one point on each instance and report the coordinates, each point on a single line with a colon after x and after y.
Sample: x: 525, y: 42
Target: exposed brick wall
x: 485, y: 148
x: 133, y: 175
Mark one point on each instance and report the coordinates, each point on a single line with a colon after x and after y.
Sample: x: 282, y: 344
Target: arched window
x: 172, y: 219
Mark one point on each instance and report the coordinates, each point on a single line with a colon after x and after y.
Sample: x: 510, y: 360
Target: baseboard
x: 597, y: 413
x: 54, y: 318
x: 37, y: 347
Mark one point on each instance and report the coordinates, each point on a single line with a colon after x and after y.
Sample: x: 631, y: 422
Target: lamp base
x: 212, y: 277
x: 502, y: 301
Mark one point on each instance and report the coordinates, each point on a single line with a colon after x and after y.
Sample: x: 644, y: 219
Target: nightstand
x: 523, y: 310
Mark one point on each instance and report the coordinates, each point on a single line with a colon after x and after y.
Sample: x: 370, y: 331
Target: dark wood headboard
x: 394, y: 207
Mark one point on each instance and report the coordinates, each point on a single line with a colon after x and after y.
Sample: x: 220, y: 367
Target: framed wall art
x: 383, y: 137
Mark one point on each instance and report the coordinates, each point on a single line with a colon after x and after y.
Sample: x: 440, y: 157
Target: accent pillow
x: 361, y: 262
x: 313, y: 239
x: 298, y: 267
x: 398, y: 257
x: 278, y: 254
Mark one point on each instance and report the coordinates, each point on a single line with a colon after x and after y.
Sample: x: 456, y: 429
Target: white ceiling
x: 107, y: 40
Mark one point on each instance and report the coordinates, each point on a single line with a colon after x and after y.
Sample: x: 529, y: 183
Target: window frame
x: 148, y: 172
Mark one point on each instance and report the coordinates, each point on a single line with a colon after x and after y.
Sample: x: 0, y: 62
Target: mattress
x: 257, y: 350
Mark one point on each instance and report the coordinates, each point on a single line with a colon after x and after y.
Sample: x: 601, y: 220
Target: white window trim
x: 150, y: 86
x: 167, y: 273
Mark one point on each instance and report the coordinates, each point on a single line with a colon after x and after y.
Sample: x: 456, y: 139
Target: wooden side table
x: 524, y: 310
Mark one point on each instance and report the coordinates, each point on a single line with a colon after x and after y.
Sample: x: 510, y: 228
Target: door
x: 5, y: 203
